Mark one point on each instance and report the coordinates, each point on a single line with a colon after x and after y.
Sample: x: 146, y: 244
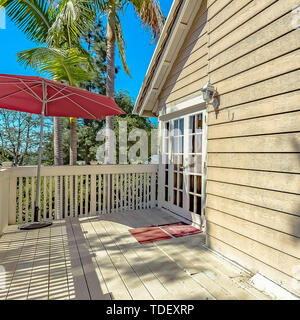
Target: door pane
x: 181, y: 127
x: 192, y: 144
x: 199, y: 123
x: 192, y: 124
x: 166, y: 177
x: 198, y: 143
x: 166, y: 194
x: 191, y: 208
x: 198, y: 203
x: 199, y: 184
x: 175, y: 179
x: 191, y: 183
x: 180, y: 185
x: 180, y: 200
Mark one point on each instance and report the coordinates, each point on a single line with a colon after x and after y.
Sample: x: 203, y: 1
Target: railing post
x: 160, y: 186
x: 12, y: 196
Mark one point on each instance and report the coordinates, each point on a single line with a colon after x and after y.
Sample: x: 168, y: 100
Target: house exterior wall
x: 253, y: 188
x: 251, y: 50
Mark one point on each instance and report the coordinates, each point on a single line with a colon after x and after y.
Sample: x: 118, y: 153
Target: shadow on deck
x: 97, y: 258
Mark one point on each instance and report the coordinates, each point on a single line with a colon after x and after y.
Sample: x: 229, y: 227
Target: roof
x: 178, y: 23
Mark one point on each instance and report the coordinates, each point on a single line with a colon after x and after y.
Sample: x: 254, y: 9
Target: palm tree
x: 58, y: 27
x: 150, y: 14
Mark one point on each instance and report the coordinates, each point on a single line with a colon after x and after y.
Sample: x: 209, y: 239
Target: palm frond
x: 150, y: 14
x: 31, y: 16
x: 67, y: 65
x: 121, y: 44
x: 73, y: 19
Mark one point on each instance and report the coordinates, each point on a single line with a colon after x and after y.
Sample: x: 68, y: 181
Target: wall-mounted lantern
x: 209, y: 92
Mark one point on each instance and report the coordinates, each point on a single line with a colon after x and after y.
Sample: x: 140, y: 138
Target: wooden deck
x: 97, y: 258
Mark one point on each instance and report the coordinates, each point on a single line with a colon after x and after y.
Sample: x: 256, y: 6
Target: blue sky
x: 139, y: 50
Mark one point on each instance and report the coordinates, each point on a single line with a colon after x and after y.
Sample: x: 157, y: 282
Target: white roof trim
x: 183, y: 22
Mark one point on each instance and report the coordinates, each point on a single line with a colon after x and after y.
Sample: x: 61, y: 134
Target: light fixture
x: 208, y: 92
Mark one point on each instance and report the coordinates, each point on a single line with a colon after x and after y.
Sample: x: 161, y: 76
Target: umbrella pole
x: 36, y: 224
x: 38, y: 179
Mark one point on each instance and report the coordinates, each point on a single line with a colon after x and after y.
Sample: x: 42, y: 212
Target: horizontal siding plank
x: 277, y: 240
x: 216, y: 7
x: 181, y: 83
x: 285, y: 122
x: 279, y: 260
x: 254, y: 41
x: 266, y: 143
x: 200, y: 54
x: 195, y: 37
x: 252, y: 264
x: 236, y: 13
x: 284, y: 182
x: 188, y: 89
x: 273, y: 68
x: 267, y: 88
x: 200, y: 42
x: 269, y: 106
x: 281, y: 162
x: 258, y: 21
x: 271, y: 50
x: 272, y: 200
x: 193, y: 68
x: 276, y: 220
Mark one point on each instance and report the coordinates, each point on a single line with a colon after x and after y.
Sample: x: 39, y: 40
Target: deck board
x: 96, y: 258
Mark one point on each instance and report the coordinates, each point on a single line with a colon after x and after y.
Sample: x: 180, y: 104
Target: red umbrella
x: 51, y: 99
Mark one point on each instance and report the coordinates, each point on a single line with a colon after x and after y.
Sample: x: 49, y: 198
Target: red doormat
x: 180, y: 229
x: 149, y: 234
x: 163, y: 232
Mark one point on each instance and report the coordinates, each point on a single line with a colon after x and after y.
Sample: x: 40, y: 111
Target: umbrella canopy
x: 51, y: 99
x: 28, y: 93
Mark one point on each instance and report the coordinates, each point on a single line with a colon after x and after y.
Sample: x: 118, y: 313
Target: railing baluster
x: 76, y: 197
x: 81, y: 196
x: 109, y: 193
x: 99, y: 193
x: 45, y: 198
x: 153, y: 189
x: 71, y: 181
x: 86, y: 194
x: 20, y: 211
x: 66, y: 196
x: 56, y: 197
x: 104, y: 193
x: 50, y: 197
x: 32, y: 195
x: 26, y: 199
x: 93, y: 195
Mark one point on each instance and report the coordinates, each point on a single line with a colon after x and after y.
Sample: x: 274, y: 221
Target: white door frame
x: 184, y: 109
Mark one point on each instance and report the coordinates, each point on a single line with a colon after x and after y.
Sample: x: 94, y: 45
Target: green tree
x: 19, y: 136
x: 150, y: 14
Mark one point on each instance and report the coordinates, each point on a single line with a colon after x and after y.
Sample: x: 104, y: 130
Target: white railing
x: 77, y: 191
x: 4, y: 199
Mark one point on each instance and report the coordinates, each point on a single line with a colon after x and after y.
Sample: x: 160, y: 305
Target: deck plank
x: 80, y: 288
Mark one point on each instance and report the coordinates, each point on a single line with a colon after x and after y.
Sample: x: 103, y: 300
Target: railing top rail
x: 29, y: 171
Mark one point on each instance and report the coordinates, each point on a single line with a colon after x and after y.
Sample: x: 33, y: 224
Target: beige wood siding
x: 189, y: 72
x: 253, y: 175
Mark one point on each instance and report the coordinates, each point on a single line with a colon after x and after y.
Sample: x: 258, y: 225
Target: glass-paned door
x: 183, y: 163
